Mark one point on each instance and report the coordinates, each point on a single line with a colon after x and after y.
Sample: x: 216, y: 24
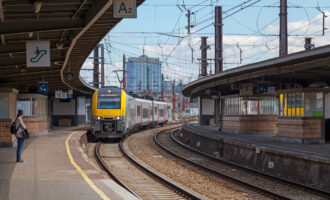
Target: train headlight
x: 97, y: 118
x: 118, y: 118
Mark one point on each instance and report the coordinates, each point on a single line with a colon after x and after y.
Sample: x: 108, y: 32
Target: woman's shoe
x: 21, y: 161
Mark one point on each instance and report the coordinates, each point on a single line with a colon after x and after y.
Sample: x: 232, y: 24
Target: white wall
x: 327, y: 106
x: 81, y: 107
x: 207, y: 106
x: 64, y: 108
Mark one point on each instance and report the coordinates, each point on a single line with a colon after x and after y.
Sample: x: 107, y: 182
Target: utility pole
x: 180, y: 101
x: 283, y: 28
x: 148, y: 78
x: 323, y: 19
x: 102, y: 65
x: 96, y: 67
x: 218, y: 41
x: 163, y: 87
x: 173, y: 100
x: 189, y: 21
x: 240, y: 54
x: 124, y: 72
x: 204, y: 48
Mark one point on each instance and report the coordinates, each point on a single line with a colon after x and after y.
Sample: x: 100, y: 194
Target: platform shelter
x: 286, y: 97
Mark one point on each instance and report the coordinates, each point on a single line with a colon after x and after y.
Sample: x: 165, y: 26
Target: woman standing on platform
x: 20, y: 127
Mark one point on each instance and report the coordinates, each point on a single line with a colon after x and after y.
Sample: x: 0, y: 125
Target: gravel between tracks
x: 204, y: 184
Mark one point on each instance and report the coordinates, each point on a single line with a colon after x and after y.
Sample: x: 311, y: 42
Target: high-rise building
x: 136, y: 75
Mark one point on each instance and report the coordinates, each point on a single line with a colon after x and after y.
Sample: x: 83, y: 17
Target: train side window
x: 145, y: 113
x: 161, y: 112
x: 138, y: 110
x: 155, y: 110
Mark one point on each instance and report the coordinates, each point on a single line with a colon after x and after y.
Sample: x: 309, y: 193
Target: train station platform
x: 49, y: 172
x: 307, y: 164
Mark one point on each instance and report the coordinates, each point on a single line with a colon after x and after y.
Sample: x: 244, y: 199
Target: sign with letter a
x: 124, y: 8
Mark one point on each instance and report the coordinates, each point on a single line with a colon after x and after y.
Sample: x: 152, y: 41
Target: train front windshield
x: 108, y: 102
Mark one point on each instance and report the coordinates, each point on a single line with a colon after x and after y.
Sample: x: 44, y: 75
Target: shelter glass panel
x: 4, y: 106
x: 251, y: 106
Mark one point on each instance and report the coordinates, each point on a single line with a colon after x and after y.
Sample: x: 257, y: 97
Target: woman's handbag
x: 26, y: 134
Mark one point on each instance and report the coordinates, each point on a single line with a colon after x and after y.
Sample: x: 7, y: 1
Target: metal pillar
x: 204, y: 48
x: 124, y: 72
x: 180, y: 101
x: 163, y: 87
x: 173, y: 100
x: 283, y: 28
x: 148, y: 79
x: 102, y: 65
x: 218, y: 54
x: 96, y: 67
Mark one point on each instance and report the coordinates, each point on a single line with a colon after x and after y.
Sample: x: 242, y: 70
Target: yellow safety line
x: 82, y: 173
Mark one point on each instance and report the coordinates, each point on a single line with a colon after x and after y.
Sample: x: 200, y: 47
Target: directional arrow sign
x: 124, y: 8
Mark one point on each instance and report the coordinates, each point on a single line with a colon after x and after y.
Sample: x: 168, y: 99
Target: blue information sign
x: 43, y: 87
x: 262, y: 88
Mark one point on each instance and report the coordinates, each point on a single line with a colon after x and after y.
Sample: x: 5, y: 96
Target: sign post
x: 124, y: 8
x: 38, y: 53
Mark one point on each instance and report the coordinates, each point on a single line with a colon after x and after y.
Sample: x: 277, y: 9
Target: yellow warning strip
x: 82, y: 173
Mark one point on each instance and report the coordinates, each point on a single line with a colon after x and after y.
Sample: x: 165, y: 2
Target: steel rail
x: 110, y: 172
x: 240, y: 182
x: 175, y: 187
x: 314, y: 190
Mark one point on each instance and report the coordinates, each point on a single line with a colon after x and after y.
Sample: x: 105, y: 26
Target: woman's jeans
x: 20, y: 142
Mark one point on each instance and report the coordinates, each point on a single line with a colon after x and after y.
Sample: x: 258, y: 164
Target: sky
x: 249, y: 26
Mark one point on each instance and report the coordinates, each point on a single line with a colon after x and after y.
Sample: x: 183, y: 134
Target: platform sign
x: 43, y: 87
x: 59, y: 94
x: 70, y: 94
x: 124, y: 8
x: 38, y: 53
x: 262, y: 88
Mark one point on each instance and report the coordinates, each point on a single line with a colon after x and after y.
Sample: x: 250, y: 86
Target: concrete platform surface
x: 48, y: 173
x: 322, y: 150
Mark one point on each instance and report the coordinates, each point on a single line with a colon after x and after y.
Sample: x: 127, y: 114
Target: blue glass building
x: 136, y: 75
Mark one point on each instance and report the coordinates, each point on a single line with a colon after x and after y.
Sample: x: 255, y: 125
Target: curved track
x: 137, y: 178
x: 268, y: 186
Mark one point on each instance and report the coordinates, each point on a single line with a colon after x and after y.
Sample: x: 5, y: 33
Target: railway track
x: 268, y: 186
x: 136, y: 177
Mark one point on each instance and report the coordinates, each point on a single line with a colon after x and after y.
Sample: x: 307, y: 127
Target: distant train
x: 114, y: 113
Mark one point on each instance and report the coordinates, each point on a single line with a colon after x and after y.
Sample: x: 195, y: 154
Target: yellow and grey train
x: 114, y: 113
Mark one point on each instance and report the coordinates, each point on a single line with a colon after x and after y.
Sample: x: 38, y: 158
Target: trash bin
x: 211, y: 121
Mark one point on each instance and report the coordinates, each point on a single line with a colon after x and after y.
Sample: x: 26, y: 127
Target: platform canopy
x: 304, y: 68
x: 72, y: 27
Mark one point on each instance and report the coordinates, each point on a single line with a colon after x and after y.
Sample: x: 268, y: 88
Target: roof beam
x: 48, y: 2
x: 42, y: 72
x: 38, y: 25
x: 21, y: 48
x: 22, y: 61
